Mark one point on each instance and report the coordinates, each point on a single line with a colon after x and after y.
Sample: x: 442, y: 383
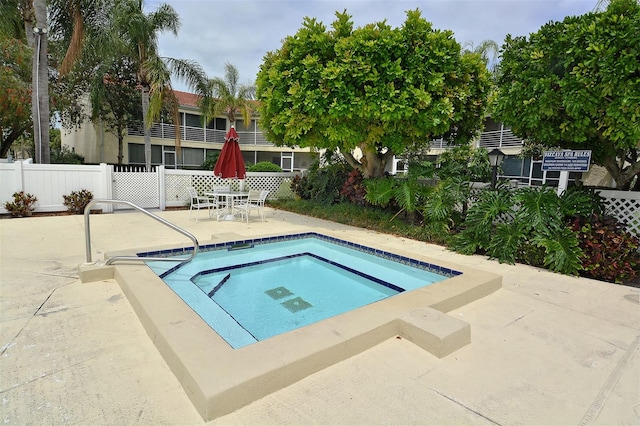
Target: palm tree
x: 488, y: 50
x: 34, y: 15
x: 75, y: 23
x: 135, y: 34
x: 226, y: 95
x: 62, y: 17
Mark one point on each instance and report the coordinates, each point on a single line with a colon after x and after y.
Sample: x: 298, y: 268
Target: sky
x: 241, y: 32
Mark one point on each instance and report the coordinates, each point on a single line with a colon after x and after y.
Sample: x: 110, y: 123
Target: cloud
x: 241, y: 32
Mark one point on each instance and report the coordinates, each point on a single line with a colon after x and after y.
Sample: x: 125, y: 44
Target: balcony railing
x: 196, y: 134
x: 499, y: 139
x: 493, y: 139
x: 440, y: 143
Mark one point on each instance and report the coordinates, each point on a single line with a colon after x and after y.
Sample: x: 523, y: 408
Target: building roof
x: 186, y: 99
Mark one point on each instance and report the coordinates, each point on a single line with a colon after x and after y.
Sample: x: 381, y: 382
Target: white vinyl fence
x: 155, y: 190
x: 168, y: 187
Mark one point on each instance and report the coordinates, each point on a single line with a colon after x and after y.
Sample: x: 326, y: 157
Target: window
x: 136, y: 154
x: 192, y: 120
x: 192, y: 156
x: 491, y: 126
x: 286, y: 161
x: 242, y: 128
x: 217, y: 124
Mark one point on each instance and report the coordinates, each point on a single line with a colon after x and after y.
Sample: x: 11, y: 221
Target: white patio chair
x: 255, y: 200
x: 199, y: 202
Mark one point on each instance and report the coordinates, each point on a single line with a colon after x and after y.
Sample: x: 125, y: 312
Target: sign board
x: 570, y: 161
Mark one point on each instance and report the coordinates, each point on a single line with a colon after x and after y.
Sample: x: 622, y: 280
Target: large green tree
x: 228, y: 96
x: 380, y: 89
x: 135, y: 35
x: 576, y: 84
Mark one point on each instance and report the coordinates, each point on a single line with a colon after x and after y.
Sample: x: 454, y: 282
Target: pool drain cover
x: 278, y: 293
x: 296, y: 304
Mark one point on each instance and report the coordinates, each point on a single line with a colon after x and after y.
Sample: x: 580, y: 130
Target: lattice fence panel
x: 138, y: 188
x: 279, y: 186
x: 175, y: 189
x: 625, y: 205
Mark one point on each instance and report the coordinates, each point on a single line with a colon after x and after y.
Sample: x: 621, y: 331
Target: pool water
x: 248, y: 291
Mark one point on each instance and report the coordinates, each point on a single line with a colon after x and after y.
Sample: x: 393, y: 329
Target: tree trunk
x: 622, y: 176
x: 147, y: 128
x: 120, y: 131
x: 372, y: 163
x: 40, y: 82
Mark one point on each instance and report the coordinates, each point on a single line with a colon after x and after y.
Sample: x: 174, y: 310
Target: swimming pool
x: 250, y: 290
x: 219, y: 379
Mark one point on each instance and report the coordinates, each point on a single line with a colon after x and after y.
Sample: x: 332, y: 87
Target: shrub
x: 22, y: 205
x: 77, y: 201
x: 65, y: 155
x: 297, y: 186
x: 321, y: 184
x: 610, y: 253
x: 208, y: 165
x: 506, y: 225
x: 264, y: 166
x: 353, y: 188
x: 210, y: 162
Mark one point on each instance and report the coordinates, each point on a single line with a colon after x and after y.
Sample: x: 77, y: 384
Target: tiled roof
x: 187, y: 99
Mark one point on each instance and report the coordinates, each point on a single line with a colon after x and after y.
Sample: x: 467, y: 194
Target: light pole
x: 495, y: 160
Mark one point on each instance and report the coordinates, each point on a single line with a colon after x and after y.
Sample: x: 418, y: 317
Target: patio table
x: 227, y: 212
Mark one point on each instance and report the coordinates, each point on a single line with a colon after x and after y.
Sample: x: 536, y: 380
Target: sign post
x: 565, y: 162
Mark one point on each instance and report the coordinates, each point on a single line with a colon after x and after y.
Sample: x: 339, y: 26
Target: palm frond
x: 405, y: 195
x: 188, y: 71
x: 379, y: 191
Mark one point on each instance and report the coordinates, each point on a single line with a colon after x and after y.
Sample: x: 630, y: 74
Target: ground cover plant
x: 610, y: 253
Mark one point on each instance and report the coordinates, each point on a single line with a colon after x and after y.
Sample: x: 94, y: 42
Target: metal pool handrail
x: 87, y: 211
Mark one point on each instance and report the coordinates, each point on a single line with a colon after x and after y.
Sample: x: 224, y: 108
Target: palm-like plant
x: 488, y: 50
x: 507, y: 225
x: 73, y: 23
x: 135, y: 34
x: 34, y: 16
x: 65, y: 22
x: 228, y: 96
x: 407, y: 193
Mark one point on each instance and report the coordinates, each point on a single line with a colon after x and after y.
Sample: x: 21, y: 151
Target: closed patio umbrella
x: 230, y: 163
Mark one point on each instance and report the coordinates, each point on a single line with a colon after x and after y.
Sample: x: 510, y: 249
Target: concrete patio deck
x: 545, y: 349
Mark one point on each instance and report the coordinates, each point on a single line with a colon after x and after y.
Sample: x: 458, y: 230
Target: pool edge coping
x: 202, y: 360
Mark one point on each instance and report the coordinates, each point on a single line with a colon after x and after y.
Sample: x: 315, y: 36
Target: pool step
x: 220, y: 284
